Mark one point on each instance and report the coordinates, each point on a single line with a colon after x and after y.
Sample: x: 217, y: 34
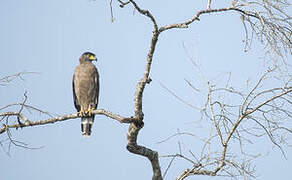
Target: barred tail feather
x: 86, y: 124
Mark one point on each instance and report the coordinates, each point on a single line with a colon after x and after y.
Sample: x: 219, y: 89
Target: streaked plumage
x: 86, y: 90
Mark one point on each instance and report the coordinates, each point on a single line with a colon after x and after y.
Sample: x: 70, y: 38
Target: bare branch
x: 179, y: 98
x: 207, y: 11
x: 271, y: 137
x: 145, y: 13
x: 7, y: 79
x: 213, y: 116
x: 134, y: 128
x: 29, y: 107
x: 246, y: 104
x: 28, y: 123
x: 122, y: 4
x: 112, y: 13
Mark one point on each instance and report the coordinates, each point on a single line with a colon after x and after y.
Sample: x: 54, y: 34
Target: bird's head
x: 87, y: 56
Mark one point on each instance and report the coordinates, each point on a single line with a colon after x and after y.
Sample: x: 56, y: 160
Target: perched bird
x: 86, y: 90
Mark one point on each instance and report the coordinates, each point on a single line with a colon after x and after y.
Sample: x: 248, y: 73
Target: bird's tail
x: 86, y: 124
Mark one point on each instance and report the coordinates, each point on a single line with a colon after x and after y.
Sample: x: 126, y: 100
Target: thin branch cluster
x: 273, y: 27
x: 238, y: 118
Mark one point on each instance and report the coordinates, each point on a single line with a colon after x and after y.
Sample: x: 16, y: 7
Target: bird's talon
x: 82, y: 113
x: 89, y: 111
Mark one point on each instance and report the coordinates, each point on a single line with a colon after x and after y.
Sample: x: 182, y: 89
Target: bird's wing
x: 76, y: 103
x: 96, y: 84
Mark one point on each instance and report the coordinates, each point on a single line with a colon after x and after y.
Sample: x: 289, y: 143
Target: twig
x: 179, y: 98
x: 7, y: 79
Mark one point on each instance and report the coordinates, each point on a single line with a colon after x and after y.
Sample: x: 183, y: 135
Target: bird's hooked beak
x: 92, y: 58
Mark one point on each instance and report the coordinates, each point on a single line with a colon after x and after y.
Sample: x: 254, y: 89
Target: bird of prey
x: 86, y: 90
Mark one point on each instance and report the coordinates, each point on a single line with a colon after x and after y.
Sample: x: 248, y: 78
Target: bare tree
x: 239, y: 117
x: 233, y: 114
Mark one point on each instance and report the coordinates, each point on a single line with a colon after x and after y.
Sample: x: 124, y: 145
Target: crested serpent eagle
x: 86, y: 90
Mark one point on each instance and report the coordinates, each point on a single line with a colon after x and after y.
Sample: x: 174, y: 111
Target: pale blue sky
x: 49, y: 36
